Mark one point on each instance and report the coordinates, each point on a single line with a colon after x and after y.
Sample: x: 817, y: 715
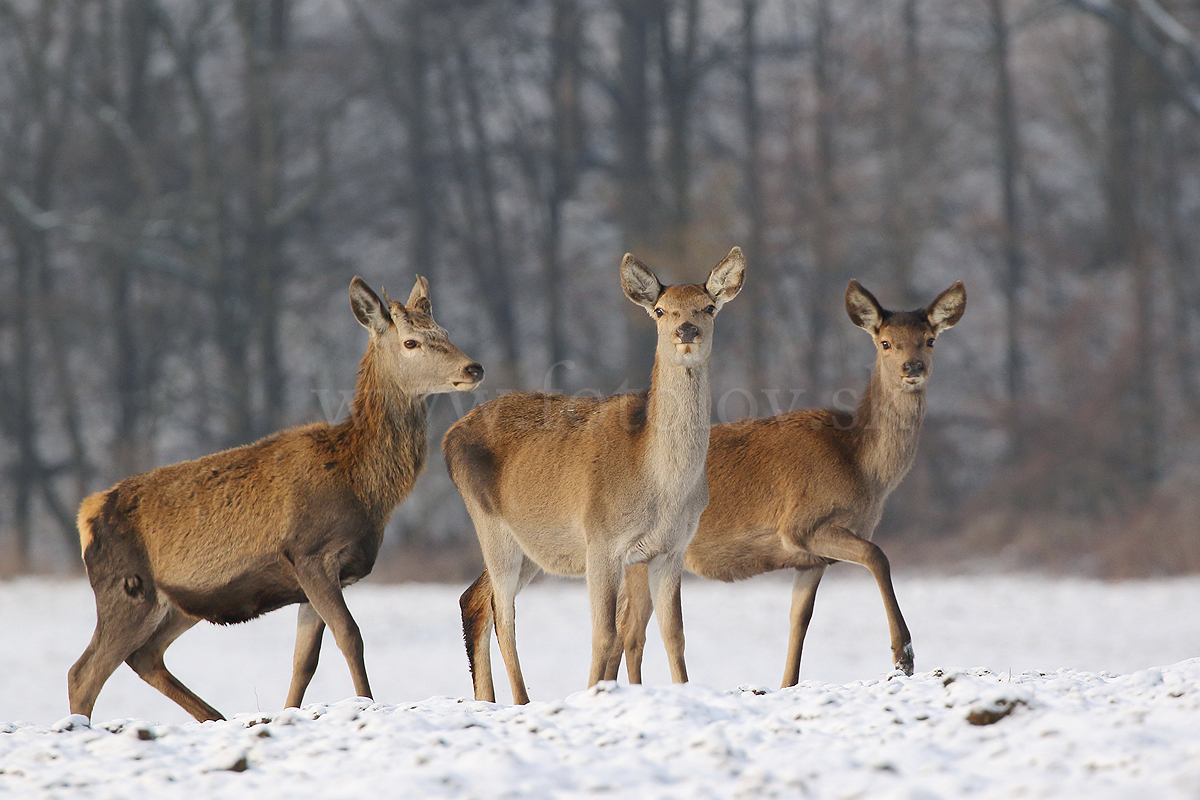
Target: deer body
x: 289, y: 519
x: 805, y: 489
x: 586, y: 486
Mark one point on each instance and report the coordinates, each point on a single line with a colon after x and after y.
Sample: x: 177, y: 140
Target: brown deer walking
x: 586, y: 486
x: 805, y: 489
x: 289, y: 519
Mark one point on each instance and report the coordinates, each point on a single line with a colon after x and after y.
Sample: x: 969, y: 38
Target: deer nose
x: 687, y: 333
x: 474, y: 371
x: 914, y: 369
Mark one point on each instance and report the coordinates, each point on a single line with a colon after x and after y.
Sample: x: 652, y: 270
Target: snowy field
x: 1087, y: 686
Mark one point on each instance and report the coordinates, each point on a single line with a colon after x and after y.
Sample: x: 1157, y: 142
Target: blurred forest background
x: 187, y: 187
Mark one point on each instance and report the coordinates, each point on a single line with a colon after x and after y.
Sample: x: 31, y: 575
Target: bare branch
x: 30, y: 214
x: 288, y: 212
x: 1185, y: 89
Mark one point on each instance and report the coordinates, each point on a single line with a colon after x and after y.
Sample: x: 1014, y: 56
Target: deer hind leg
x: 321, y: 585
x: 634, y: 606
x: 666, y: 573
x: 804, y: 595
x: 127, y: 614
x: 842, y: 545
x: 509, y: 570
x: 477, y: 619
x: 147, y: 662
x: 310, y: 629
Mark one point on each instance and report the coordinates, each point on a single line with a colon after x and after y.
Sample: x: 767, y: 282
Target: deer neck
x: 678, y: 417
x: 886, y: 429
x: 389, y: 435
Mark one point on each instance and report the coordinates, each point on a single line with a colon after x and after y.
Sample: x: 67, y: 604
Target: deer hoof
x: 904, y: 659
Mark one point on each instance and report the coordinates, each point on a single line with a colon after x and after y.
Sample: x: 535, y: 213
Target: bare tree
x: 637, y: 209
x: 48, y: 40
x: 1008, y: 145
x: 566, y: 151
x: 826, y: 211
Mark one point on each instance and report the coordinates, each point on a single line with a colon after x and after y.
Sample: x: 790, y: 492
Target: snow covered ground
x: 1087, y: 688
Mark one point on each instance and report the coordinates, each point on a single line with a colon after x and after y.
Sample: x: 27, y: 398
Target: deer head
x: 904, y: 339
x: 684, y: 314
x: 413, y: 348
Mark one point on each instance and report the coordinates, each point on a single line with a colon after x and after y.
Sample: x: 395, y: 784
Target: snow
x: 1025, y: 687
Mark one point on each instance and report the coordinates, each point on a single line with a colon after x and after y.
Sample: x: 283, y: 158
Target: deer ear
x: 948, y: 308
x: 418, y: 300
x: 640, y: 284
x: 726, y: 279
x: 368, y: 309
x: 863, y: 308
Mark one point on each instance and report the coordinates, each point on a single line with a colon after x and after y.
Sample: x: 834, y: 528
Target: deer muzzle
x: 472, y: 375
x: 687, y: 333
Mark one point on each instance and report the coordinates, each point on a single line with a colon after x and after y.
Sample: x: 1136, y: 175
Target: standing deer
x: 587, y: 486
x: 805, y: 489
x: 289, y: 519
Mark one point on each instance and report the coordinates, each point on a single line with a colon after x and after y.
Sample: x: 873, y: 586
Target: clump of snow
x: 1070, y: 701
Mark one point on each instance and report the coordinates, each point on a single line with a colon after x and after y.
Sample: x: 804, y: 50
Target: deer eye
x: 710, y: 310
x: 886, y: 345
x: 658, y: 312
x: 411, y: 344
x: 929, y: 342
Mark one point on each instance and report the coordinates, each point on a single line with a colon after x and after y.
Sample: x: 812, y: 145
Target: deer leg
x: 666, y: 573
x: 842, y: 545
x: 506, y: 584
x: 310, y: 629
x: 603, y: 581
x: 126, y: 616
x: 477, y: 620
x: 804, y: 594
x: 634, y: 606
x: 324, y: 591
x: 147, y: 662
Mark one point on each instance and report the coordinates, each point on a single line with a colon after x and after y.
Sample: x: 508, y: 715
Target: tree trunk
x: 760, y: 316
x: 25, y: 470
x: 1124, y: 248
x: 825, y: 247
x: 482, y: 182
x: 264, y: 33
x: 635, y: 197
x: 1009, y: 163
x: 565, y: 148
x: 678, y: 74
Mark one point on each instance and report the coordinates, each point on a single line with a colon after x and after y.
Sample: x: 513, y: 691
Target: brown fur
x: 291, y: 518
x: 476, y: 606
x: 804, y: 489
x: 584, y: 486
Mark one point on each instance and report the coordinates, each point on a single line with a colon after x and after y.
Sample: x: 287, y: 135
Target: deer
x: 806, y: 489
x: 585, y: 486
x: 291, y: 518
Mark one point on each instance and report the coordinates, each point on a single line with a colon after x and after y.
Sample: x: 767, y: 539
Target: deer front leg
x: 603, y: 580
x: 804, y: 594
x: 842, y: 545
x: 633, y: 615
x: 147, y: 662
x: 666, y: 573
x: 310, y: 629
x: 324, y: 592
